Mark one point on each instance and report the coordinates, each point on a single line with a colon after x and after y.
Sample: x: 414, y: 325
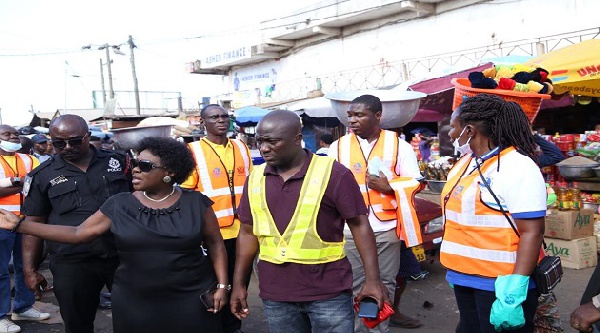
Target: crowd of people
x: 175, y: 231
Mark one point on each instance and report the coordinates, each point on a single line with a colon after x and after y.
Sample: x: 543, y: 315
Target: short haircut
x: 174, y: 155
x: 327, y: 138
x: 209, y: 106
x: 371, y: 102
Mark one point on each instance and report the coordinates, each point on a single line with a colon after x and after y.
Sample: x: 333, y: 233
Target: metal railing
x: 388, y: 74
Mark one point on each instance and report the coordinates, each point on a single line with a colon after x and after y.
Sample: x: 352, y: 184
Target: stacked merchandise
x: 570, y: 230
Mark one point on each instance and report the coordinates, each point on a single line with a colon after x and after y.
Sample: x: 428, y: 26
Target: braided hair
x: 503, y: 122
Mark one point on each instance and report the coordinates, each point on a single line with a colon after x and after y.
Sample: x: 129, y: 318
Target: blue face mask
x: 9, y: 147
x: 464, y: 149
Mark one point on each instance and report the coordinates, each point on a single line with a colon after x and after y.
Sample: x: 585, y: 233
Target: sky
x: 44, y: 68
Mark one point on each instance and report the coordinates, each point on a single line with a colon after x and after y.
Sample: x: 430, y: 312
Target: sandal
x: 404, y: 321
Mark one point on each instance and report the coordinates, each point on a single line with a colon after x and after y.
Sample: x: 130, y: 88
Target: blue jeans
x: 475, y: 306
x: 11, y: 243
x: 334, y: 315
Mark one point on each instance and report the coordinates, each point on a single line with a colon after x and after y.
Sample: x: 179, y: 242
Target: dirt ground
x: 442, y: 316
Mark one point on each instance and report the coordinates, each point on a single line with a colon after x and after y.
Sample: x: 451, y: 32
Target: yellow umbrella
x: 574, y: 69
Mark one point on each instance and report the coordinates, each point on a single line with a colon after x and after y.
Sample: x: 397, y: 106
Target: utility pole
x: 102, y: 82
x: 111, y: 91
x: 135, y: 81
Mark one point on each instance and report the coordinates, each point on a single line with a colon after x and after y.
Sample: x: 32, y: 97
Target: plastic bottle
x: 435, y: 148
x: 576, y: 193
x: 563, y: 197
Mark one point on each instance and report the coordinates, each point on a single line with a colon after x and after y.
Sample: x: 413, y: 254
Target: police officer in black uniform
x: 66, y: 190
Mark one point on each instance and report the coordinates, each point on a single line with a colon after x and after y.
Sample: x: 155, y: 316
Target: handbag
x: 385, y: 312
x: 548, y: 272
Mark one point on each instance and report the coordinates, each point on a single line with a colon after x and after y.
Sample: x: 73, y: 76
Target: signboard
x: 226, y: 57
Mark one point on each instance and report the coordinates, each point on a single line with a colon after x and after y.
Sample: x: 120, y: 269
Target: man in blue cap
x: 40, y: 146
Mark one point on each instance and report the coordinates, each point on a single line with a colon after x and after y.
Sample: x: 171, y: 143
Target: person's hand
x: 238, y: 302
x: 219, y: 300
x: 584, y: 316
x: 507, y: 310
x: 376, y: 290
x: 35, y: 282
x: 8, y: 220
x: 379, y: 184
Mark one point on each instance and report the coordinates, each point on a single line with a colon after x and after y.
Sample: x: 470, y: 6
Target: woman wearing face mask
x: 494, y: 206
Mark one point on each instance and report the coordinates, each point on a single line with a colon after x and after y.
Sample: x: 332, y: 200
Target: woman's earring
x: 167, y: 179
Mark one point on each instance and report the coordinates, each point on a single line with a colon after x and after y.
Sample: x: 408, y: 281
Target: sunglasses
x: 145, y: 165
x: 61, y: 144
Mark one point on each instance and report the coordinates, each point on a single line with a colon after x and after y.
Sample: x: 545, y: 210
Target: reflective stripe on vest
x: 213, y: 179
x: 300, y: 243
x: 477, y: 239
x: 384, y: 206
x: 12, y: 203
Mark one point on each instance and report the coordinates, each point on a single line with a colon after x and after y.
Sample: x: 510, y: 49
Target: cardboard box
x: 577, y: 253
x: 570, y: 224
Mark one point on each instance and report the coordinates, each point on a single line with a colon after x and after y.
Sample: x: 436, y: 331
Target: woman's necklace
x: 161, y: 199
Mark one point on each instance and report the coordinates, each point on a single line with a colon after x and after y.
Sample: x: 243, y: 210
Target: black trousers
x: 77, y: 285
x: 230, y: 322
x: 475, y: 306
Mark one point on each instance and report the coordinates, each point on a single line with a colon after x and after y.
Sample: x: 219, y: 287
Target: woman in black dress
x: 159, y: 230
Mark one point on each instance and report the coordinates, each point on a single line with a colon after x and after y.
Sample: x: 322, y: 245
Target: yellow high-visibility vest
x: 300, y: 243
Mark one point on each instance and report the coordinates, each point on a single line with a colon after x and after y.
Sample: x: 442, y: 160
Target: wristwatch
x: 596, y: 301
x: 16, y: 181
x: 224, y: 286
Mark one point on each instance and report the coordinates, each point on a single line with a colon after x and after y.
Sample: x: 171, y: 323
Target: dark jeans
x: 334, y: 315
x: 77, y: 285
x: 230, y: 322
x: 475, y: 306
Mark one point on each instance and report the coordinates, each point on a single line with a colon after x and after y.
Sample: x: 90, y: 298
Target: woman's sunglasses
x: 61, y: 144
x: 145, y: 165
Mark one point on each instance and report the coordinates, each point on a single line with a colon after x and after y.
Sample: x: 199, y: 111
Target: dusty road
x: 442, y: 317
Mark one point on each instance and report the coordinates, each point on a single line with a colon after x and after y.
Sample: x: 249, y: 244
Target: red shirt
x: 291, y: 282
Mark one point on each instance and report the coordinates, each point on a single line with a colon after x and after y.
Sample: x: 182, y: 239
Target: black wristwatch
x: 16, y: 181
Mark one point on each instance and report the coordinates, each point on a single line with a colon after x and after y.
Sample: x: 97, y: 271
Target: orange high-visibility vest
x: 24, y: 164
x: 386, y: 207
x: 478, y: 240
x: 214, y: 180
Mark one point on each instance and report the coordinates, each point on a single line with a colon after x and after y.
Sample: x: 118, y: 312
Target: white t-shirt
x: 406, y: 166
x: 518, y: 185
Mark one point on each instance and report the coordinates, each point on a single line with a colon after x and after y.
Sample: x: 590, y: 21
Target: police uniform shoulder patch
x: 27, y: 184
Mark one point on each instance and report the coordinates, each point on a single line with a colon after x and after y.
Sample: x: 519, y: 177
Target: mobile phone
x: 207, y: 298
x: 368, y: 308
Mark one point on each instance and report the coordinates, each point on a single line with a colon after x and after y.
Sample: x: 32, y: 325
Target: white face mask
x: 9, y: 147
x: 464, y: 149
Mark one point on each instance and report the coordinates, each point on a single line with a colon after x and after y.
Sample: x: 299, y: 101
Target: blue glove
x: 511, y: 292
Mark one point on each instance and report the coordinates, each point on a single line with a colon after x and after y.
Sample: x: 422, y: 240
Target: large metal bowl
x: 577, y: 171
x: 436, y: 185
x: 399, y: 107
x: 129, y: 137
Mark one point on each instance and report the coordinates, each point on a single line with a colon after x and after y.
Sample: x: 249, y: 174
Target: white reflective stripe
x: 470, y: 220
x: 377, y: 208
x: 344, y: 150
x: 407, y: 219
x: 224, y: 212
x: 217, y: 192
x: 388, y: 145
x: 363, y: 188
x: 478, y: 253
x: 11, y: 208
x: 244, y: 152
x: 202, y: 168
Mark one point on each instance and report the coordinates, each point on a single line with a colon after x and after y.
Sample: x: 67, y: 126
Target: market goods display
x: 577, y: 167
x: 438, y: 169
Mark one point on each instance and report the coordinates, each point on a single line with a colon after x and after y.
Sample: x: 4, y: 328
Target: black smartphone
x: 368, y: 308
x: 208, y: 298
